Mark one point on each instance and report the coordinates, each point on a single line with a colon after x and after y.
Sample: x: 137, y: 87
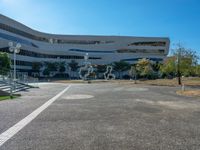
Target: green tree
x: 5, y: 63
x: 73, y: 66
x: 144, y: 68
x: 52, y: 66
x: 186, y: 62
x: 36, y: 66
x: 120, y: 67
x: 61, y: 67
x: 197, y: 70
x: 133, y: 72
x: 46, y: 72
x: 183, y: 62
x: 168, y: 69
x: 100, y: 70
x: 156, y: 66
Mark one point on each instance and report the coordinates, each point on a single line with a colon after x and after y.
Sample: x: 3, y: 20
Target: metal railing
x: 22, y: 82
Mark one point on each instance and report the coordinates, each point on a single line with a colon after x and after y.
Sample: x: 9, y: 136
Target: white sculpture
x: 108, y: 74
x: 87, y: 68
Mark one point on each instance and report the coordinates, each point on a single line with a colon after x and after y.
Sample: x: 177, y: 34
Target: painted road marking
x: 5, y: 136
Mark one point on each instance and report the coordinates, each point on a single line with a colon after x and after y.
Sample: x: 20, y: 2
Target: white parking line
x: 5, y: 136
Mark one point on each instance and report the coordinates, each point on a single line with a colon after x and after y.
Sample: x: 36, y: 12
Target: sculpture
x: 87, y: 69
x: 108, y: 74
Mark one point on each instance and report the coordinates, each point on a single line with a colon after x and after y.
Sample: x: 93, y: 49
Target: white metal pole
x: 14, y: 64
x: 14, y: 68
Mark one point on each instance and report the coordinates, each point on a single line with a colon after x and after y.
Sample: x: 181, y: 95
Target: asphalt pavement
x: 103, y: 116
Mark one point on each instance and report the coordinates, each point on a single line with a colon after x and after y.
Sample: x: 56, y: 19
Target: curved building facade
x: 43, y: 47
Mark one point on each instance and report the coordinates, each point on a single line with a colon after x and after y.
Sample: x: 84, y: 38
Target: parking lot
x: 103, y: 116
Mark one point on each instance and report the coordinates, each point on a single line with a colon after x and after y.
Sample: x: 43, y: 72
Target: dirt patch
x: 189, y: 93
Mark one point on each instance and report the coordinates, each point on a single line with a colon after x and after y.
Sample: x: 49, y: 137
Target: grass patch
x: 189, y: 93
x: 172, y: 82
x: 7, y: 97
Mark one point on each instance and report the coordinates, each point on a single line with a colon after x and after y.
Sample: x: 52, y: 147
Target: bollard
x: 183, y: 87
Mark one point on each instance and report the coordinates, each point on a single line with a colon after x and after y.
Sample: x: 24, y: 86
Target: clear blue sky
x: 177, y: 19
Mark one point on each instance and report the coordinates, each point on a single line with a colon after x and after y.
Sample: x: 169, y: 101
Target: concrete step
x: 20, y: 89
x: 1, y: 84
x: 5, y: 86
x: 6, y: 89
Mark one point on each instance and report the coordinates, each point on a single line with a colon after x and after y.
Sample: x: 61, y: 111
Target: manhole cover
x: 78, y: 96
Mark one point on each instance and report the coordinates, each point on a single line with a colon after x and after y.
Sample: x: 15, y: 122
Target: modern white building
x: 43, y: 47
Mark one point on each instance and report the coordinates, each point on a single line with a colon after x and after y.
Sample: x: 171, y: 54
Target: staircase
x: 6, y: 86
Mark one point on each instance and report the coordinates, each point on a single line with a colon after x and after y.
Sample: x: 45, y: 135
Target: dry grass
x: 158, y: 82
x: 172, y: 82
x: 189, y: 93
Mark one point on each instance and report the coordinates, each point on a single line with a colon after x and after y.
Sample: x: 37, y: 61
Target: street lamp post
x: 15, y: 49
